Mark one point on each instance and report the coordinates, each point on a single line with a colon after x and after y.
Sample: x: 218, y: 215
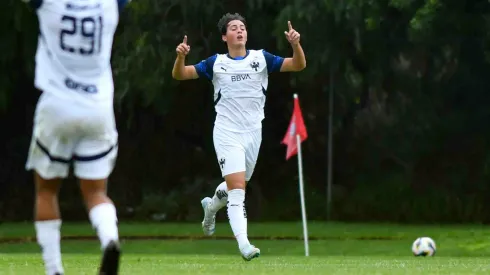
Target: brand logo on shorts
x: 222, y: 163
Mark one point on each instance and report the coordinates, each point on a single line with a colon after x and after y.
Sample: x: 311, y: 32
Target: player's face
x: 236, y: 34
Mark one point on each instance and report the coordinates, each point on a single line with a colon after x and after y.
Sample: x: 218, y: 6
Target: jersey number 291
x: 89, y: 28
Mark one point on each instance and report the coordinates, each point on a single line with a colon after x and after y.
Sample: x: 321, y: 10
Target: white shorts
x: 237, y: 152
x: 66, y: 133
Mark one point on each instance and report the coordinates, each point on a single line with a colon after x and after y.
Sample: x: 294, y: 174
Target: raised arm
x: 298, y: 61
x: 180, y: 70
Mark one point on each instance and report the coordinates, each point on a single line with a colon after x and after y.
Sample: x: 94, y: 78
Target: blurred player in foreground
x: 240, y: 80
x: 74, y: 120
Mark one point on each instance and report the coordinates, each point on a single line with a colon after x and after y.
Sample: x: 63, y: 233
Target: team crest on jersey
x: 255, y: 65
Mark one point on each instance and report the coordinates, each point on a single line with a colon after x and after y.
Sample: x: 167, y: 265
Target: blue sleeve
x: 274, y: 62
x: 205, y: 67
x: 122, y: 3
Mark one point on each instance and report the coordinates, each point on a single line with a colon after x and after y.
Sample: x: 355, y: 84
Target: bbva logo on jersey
x: 240, y: 77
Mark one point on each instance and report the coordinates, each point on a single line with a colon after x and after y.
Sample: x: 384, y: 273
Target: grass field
x: 335, y: 248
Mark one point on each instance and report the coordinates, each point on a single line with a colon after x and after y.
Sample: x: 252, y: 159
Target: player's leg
x: 237, y: 214
x: 226, y: 146
x: 49, y: 156
x: 252, y: 141
x: 93, y: 163
x: 103, y: 216
x: 48, y: 223
x: 230, y: 150
x: 220, y: 196
x: 102, y: 212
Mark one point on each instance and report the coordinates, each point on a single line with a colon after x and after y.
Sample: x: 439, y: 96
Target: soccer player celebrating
x: 240, y: 80
x: 74, y: 120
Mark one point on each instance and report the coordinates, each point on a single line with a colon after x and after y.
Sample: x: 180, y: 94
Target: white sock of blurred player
x: 104, y: 219
x: 48, y: 237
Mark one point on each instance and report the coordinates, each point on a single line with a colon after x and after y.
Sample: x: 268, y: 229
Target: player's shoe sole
x: 253, y: 253
x: 110, y: 260
x: 209, y: 221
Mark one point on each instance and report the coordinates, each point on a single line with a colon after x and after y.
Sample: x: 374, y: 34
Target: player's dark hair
x: 227, y: 18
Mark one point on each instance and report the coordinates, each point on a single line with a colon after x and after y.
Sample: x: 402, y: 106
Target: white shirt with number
x: 74, y: 48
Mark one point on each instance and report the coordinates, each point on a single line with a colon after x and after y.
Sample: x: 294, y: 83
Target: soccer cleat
x: 110, y: 260
x: 249, y: 252
x: 209, y: 221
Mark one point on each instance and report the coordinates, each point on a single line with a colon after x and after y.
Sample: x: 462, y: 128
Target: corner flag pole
x: 301, y: 191
x: 330, y: 146
x: 302, y: 196
x: 293, y: 138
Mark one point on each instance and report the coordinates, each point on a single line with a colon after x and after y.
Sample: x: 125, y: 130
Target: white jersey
x: 74, y: 49
x: 240, y: 86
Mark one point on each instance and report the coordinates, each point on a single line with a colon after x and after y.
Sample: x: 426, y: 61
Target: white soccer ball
x: 424, y: 246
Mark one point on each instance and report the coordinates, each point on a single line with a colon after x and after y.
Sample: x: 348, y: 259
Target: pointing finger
x: 289, y: 25
x: 185, y: 39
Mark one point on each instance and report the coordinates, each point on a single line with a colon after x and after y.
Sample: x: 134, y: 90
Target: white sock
x: 48, y: 237
x: 238, y: 216
x: 104, y: 219
x: 220, y: 197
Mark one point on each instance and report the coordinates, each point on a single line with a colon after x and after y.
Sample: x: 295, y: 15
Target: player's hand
x: 291, y: 35
x: 183, y: 49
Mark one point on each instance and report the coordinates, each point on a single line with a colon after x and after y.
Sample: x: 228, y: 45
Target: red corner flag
x: 296, y: 127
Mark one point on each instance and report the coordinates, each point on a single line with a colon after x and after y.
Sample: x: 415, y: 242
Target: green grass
x: 337, y: 249
x: 272, y: 230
